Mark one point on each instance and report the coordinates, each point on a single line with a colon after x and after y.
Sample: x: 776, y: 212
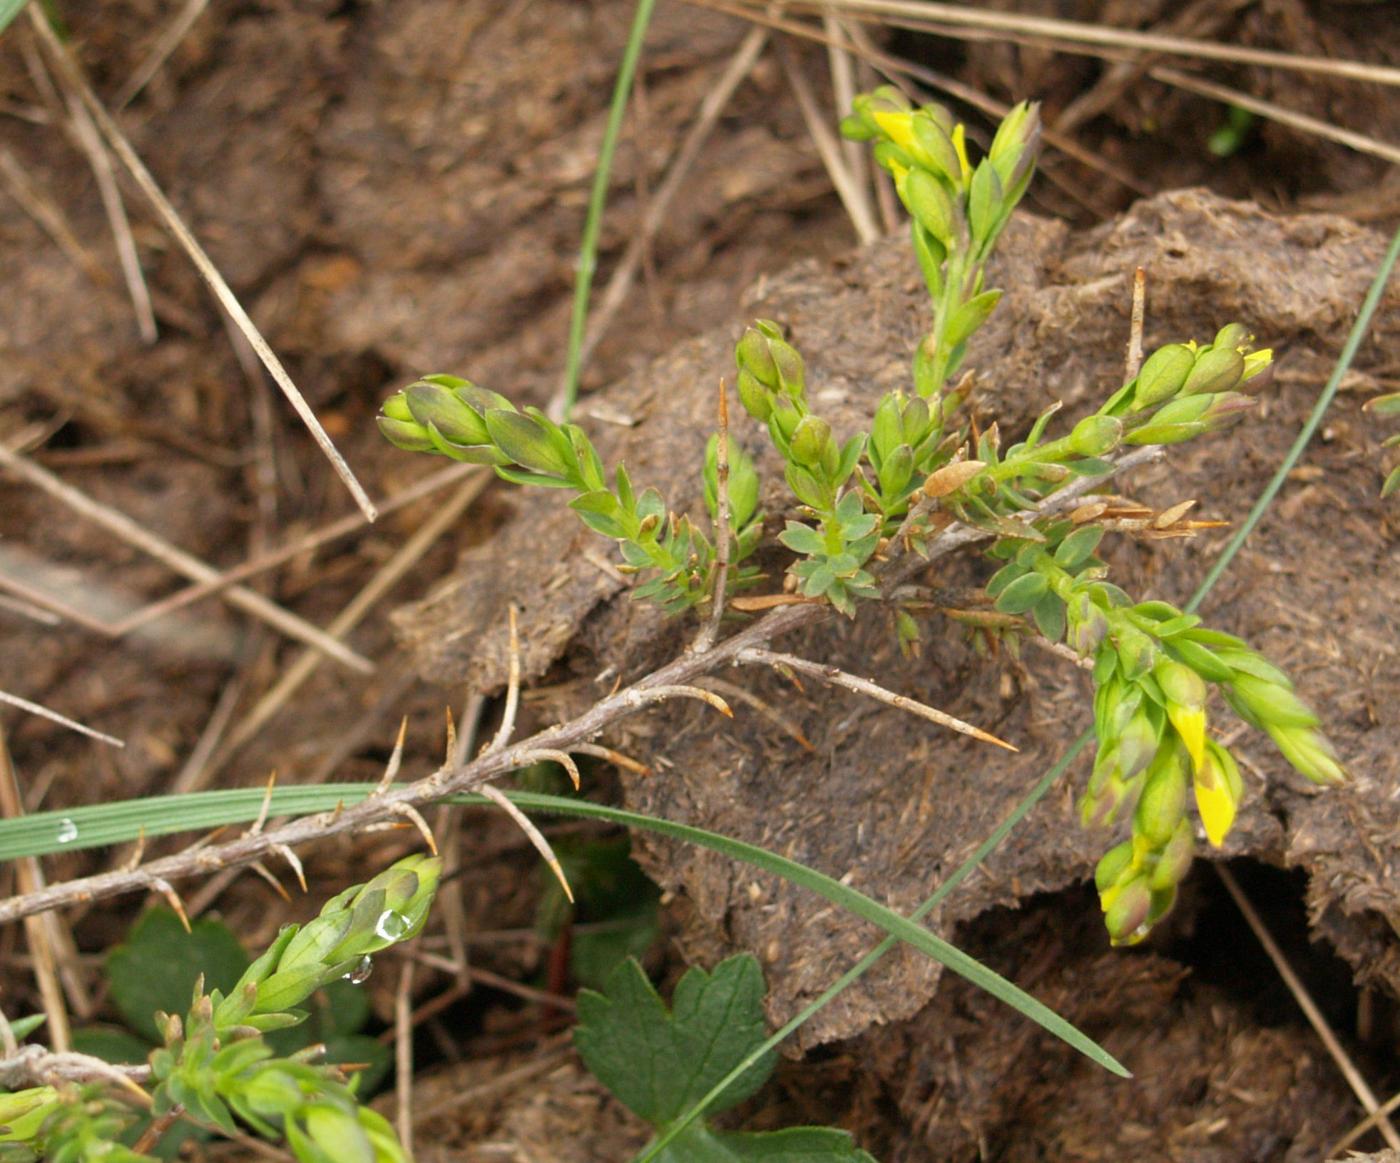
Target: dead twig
x: 72, y: 73
x: 122, y: 526
x: 1314, y: 1015
x: 62, y: 720
x: 673, y: 680
x: 835, y: 676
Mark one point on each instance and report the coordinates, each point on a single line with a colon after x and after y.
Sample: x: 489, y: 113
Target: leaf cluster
x: 660, y: 1062
x: 216, y: 1065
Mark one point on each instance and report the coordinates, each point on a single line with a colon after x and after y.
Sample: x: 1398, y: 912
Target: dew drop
x: 391, y: 925
x: 360, y: 974
x: 67, y: 831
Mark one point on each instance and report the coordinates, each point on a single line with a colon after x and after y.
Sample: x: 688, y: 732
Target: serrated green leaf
x: 659, y: 1063
x: 698, y: 1144
x: 158, y: 964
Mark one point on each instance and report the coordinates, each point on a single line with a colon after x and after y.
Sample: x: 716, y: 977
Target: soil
x: 395, y: 189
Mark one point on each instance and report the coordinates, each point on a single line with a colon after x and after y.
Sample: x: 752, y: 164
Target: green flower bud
x: 1234, y: 337
x: 434, y: 404
x: 1138, y: 742
x: 774, y: 363
x: 811, y: 442
x: 932, y: 207
x: 1125, y: 916
x: 323, y: 1130
x: 1265, y: 703
x: 1162, y: 805
x: 1190, y: 416
x: 1162, y: 375
x: 896, y: 472
x: 757, y: 399
x: 1217, y: 369
x: 1114, y: 866
x: 1309, y: 753
x: 1174, y: 861
x: 405, y: 434
x: 932, y: 145
x: 1087, y: 624
x: 1096, y: 435
x: 1137, y: 652
x: 527, y: 440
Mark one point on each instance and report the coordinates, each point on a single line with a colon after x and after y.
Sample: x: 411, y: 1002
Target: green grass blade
x: 9, y: 9
x: 112, y: 823
x: 1266, y: 498
x: 597, y: 199
x: 1305, y: 434
x: 859, y: 969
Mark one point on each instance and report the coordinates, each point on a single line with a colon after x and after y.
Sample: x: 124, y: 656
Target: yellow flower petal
x: 897, y: 127
x: 1216, y: 805
x: 1190, y: 724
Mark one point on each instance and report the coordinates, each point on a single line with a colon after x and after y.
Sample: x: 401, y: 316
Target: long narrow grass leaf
x: 1324, y: 401
x: 86, y: 827
x: 859, y: 969
x: 597, y: 199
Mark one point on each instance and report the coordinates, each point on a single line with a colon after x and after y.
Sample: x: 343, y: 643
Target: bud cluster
x: 217, y: 1069
x: 1184, y: 390
x: 834, y: 552
x: 1387, y: 405
x: 452, y: 417
x: 1153, y: 667
x: 957, y: 210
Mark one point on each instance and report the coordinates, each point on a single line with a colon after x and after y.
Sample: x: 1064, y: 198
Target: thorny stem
x: 452, y: 779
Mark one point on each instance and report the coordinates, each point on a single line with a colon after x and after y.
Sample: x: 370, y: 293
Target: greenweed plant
x: 859, y: 502
x: 866, y: 511
x: 216, y: 1068
x: 1388, y: 405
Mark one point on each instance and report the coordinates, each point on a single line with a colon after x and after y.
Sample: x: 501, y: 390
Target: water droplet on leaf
x: 391, y: 926
x: 360, y: 974
x: 67, y: 831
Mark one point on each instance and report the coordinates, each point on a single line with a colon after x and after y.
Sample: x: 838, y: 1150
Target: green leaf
x: 1022, y: 594
x: 1079, y: 546
x: 984, y: 202
x: 1049, y: 615
x: 802, y: 539
x: 659, y: 1063
x: 970, y: 316
x: 525, y: 441
x: 111, y: 1044
x: 373, y: 1058
x: 157, y: 967
x: 698, y: 1144
x: 9, y: 9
